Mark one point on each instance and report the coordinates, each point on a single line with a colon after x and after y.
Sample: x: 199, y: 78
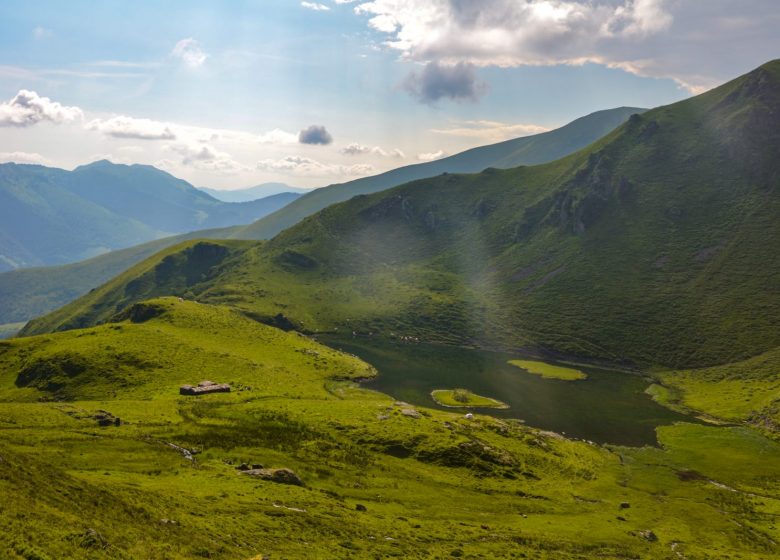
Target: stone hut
x: 203, y: 388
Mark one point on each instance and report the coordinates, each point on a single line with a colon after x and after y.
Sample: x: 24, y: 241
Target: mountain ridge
x: 54, y: 216
x: 644, y: 246
x: 526, y: 150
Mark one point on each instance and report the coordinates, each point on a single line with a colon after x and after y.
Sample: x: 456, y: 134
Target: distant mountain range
x: 657, y: 245
x: 53, y: 216
x: 25, y: 294
x: 252, y: 193
x: 528, y: 150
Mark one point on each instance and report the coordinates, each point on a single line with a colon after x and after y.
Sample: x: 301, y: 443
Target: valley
x: 379, y: 478
x: 571, y: 352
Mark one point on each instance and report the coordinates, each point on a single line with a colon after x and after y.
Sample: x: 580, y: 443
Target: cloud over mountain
x: 28, y: 108
x: 695, y: 45
x: 300, y: 165
x: 315, y: 134
x: 128, y: 127
x: 356, y: 149
x: 437, y: 81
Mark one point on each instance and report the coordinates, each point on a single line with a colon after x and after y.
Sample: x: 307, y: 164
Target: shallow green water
x: 608, y: 407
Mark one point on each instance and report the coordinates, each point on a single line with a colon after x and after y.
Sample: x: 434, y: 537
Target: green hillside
x: 654, y: 246
x: 100, y: 457
x: 529, y: 150
x: 42, y: 223
x: 30, y: 292
x: 51, y: 216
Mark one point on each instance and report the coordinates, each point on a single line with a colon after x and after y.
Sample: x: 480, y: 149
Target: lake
x: 607, y: 407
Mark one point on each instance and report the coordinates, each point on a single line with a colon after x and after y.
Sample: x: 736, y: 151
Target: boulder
x: 203, y: 388
x: 281, y: 476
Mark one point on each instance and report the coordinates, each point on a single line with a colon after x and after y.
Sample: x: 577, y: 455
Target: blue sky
x: 217, y: 92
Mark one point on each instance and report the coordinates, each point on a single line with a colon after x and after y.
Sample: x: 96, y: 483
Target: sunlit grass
x: 548, y: 370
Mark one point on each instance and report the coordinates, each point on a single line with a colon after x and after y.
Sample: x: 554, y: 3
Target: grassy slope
x: 31, y: 292
x: 548, y: 370
x: 41, y: 222
x: 434, y: 487
x: 656, y: 244
x: 746, y: 391
x: 529, y: 150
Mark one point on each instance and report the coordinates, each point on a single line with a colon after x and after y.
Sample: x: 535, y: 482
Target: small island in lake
x: 548, y: 370
x: 463, y: 398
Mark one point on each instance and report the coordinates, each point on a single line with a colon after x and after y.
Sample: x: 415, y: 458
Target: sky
x: 229, y: 94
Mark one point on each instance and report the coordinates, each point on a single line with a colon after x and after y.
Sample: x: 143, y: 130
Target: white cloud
x: 492, y: 131
x: 189, y: 52
x: 278, y: 136
x: 356, y: 149
x: 28, y: 108
x: 317, y: 7
x: 300, y: 165
x: 128, y: 127
x: 22, y: 157
x: 431, y: 156
x: 206, y: 158
x: 695, y: 44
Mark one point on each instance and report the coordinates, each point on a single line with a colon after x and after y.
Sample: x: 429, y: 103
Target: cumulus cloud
x: 189, y: 52
x: 206, y: 158
x: 431, y: 156
x: 695, y: 45
x: 356, y: 149
x: 299, y: 165
x: 129, y: 127
x: 21, y: 157
x: 491, y: 130
x: 277, y: 136
x: 315, y: 6
x: 28, y: 108
x: 315, y: 134
x: 457, y: 82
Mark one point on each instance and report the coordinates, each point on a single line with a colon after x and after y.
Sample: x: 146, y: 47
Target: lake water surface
x: 607, y: 407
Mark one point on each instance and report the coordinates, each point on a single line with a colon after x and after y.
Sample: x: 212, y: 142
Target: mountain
x: 115, y: 463
x: 529, y: 150
x: 29, y: 293
x: 160, y: 200
x: 252, y: 193
x: 41, y: 222
x: 656, y: 246
x: 52, y: 216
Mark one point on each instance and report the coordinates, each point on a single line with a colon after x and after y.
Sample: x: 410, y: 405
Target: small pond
x: 607, y: 407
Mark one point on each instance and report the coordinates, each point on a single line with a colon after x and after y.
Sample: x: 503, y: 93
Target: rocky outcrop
x: 203, y: 388
x: 280, y: 476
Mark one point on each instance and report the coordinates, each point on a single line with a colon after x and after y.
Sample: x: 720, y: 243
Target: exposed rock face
x: 281, y: 476
x: 203, y: 388
x: 105, y: 418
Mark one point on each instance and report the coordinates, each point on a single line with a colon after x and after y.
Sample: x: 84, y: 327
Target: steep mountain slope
x: 252, y: 193
x: 41, y: 222
x: 52, y: 216
x: 656, y: 245
x: 30, y: 292
x: 529, y: 150
x: 114, y: 463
